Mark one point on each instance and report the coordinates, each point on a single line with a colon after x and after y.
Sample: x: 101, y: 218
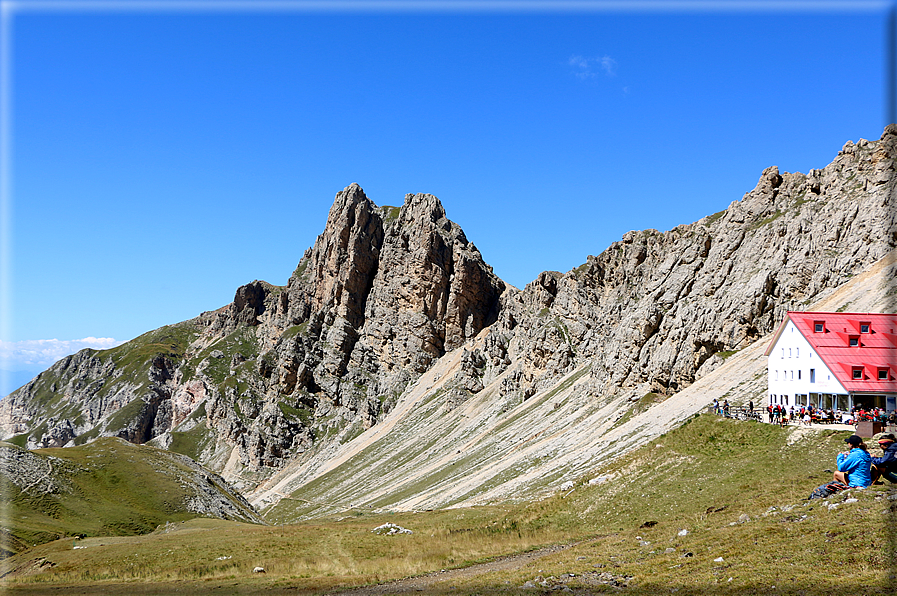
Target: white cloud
x: 587, y: 68
x: 30, y: 353
x: 578, y: 62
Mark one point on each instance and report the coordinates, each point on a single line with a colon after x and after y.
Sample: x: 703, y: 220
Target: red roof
x: 857, y: 347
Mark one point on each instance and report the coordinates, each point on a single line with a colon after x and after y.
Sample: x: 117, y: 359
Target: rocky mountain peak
x: 420, y: 206
x: 387, y: 293
x: 432, y: 291
x: 381, y: 294
x: 344, y: 258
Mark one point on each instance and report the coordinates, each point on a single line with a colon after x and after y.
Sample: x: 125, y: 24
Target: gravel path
x: 423, y: 582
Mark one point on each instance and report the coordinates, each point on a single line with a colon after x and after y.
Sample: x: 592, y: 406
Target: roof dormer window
x: 865, y: 327
x: 882, y: 374
x: 853, y: 341
x: 857, y: 373
x: 818, y: 326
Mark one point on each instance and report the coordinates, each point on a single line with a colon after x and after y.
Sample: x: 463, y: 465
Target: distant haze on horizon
x: 159, y: 159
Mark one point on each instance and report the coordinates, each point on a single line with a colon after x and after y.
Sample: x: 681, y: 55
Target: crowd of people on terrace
x: 778, y: 414
x: 807, y: 414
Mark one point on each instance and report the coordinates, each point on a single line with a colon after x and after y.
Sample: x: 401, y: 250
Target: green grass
x: 714, y: 217
x: 294, y: 330
x: 240, y: 341
x: 644, y: 402
x: 44, y: 395
x: 737, y: 487
x: 106, y: 488
x: 799, y: 200
x: 390, y: 213
x: 90, y: 435
x: 304, y: 415
x: 768, y: 220
x: 567, y: 383
x: 19, y: 440
x: 170, y: 341
x: 192, y: 442
x: 122, y: 417
x: 300, y: 268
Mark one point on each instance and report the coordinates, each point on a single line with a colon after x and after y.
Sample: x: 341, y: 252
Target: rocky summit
x: 393, y: 316
x: 381, y: 295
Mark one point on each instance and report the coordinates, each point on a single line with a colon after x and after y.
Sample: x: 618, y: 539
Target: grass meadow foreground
x: 715, y: 507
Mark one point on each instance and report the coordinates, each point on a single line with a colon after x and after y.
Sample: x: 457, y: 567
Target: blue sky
x: 157, y: 159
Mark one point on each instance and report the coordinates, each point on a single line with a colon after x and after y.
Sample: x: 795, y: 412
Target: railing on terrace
x: 736, y: 412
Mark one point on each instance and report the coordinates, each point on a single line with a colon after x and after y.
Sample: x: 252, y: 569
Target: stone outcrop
x: 655, y: 310
x: 381, y: 294
x: 284, y: 371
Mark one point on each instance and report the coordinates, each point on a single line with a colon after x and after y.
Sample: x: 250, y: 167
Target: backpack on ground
x: 828, y: 489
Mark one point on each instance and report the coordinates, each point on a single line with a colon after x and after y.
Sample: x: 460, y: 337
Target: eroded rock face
x: 385, y: 291
x: 655, y: 309
x: 381, y: 294
x: 432, y: 291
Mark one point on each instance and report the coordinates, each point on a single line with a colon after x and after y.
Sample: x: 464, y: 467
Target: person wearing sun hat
x: 886, y: 465
x: 854, y: 466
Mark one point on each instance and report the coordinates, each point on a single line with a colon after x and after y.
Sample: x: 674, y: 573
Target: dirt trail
x: 431, y: 580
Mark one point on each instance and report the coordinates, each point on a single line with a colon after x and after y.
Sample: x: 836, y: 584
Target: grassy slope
x: 108, y: 487
x: 129, y: 364
x: 716, y: 478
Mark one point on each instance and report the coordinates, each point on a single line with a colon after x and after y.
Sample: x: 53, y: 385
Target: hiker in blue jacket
x: 854, y: 466
x: 886, y: 465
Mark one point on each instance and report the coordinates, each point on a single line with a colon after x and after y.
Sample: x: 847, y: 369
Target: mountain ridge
x: 284, y: 376
x: 544, y: 454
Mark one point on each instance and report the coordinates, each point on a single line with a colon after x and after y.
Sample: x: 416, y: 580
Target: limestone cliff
x: 381, y: 294
x: 286, y: 374
x: 655, y: 310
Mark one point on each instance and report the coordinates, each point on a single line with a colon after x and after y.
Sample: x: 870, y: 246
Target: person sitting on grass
x: 854, y: 466
x: 886, y: 465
